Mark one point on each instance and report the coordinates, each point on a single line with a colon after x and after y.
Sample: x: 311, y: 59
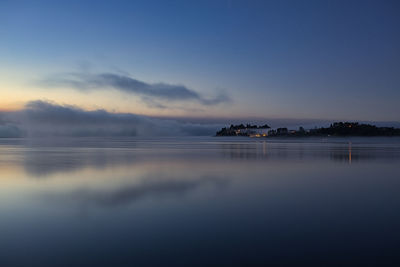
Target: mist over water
x: 199, y: 201
x: 49, y: 119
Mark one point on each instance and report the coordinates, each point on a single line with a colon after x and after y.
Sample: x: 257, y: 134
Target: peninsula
x: 335, y: 129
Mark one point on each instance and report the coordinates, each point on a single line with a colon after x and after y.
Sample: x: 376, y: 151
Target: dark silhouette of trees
x: 335, y: 129
x: 356, y: 129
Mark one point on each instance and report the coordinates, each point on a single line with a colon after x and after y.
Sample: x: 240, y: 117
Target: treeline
x: 335, y: 129
x: 240, y: 129
x: 355, y: 129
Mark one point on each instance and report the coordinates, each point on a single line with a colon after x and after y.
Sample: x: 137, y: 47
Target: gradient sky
x: 336, y: 60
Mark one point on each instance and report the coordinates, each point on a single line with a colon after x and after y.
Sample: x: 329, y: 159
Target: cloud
x: 149, y: 92
x: 43, y: 119
x: 10, y: 131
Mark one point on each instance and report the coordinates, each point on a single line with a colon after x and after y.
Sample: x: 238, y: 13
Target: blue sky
x: 270, y: 59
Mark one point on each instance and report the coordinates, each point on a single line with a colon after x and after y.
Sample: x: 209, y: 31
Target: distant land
x: 335, y: 129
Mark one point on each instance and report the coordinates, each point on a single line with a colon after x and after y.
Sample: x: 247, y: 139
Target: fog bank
x: 47, y: 119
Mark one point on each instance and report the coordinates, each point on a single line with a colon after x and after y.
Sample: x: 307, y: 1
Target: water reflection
x: 129, y: 193
x: 44, y: 161
x: 342, y: 152
x: 190, y: 202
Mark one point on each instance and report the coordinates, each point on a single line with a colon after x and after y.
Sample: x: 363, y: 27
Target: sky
x: 328, y: 60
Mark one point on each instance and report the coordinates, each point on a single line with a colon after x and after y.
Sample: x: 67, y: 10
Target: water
x: 199, y: 201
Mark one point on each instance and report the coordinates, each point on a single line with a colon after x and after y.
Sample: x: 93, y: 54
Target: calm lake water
x: 199, y: 201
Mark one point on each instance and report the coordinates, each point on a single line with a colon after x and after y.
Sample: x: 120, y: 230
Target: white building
x: 253, y: 132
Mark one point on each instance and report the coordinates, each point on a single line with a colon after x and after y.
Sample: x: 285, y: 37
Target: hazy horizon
x: 46, y: 119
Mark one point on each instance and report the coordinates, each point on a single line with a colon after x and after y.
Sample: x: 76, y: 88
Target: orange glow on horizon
x: 8, y: 107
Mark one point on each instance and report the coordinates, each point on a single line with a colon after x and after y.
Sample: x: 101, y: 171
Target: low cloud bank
x: 45, y: 119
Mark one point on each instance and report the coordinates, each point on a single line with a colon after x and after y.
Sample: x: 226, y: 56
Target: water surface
x: 199, y: 201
